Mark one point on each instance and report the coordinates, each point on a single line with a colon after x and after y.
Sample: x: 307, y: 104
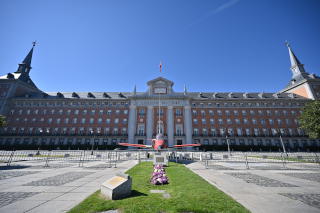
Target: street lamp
x: 92, y: 134
x: 227, y: 139
x: 283, y: 147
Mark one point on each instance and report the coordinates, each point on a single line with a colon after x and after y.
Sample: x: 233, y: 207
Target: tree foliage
x: 310, y: 119
x: 2, y: 121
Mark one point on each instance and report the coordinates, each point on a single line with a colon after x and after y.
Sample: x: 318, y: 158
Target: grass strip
x: 189, y: 193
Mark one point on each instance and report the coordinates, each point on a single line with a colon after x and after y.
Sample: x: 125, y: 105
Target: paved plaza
x: 31, y: 187
x: 261, y: 184
x: 266, y: 187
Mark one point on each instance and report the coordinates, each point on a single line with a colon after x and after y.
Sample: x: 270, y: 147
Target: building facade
x: 250, y: 121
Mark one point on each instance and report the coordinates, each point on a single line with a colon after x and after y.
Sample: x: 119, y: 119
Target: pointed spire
x: 185, y: 90
x: 25, y: 66
x: 296, y: 66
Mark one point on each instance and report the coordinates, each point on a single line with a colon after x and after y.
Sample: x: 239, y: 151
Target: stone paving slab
x: 58, y: 180
x: 7, y: 198
x: 260, y: 180
x: 11, y: 174
x: 257, y: 198
x: 306, y: 176
x: 310, y: 199
x: 55, y: 190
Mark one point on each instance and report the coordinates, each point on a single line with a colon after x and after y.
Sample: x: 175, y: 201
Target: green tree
x: 310, y: 119
x: 2, y: 121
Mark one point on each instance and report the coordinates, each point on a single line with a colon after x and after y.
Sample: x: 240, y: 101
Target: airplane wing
x: 186, y: 145
x: 135, y: 145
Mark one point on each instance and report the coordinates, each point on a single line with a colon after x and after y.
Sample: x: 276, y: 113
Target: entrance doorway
x: 179, y: 142
x: 140, y: 141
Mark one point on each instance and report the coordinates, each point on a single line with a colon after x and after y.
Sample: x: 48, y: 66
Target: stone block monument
x: 160, y: 158
x: 117, y: 187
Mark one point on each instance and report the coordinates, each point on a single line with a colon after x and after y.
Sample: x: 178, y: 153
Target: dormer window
x: 90, y: 95
x: 75, y: 95
x: 105, y: 95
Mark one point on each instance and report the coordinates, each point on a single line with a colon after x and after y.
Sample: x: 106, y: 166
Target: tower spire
x: 25, y: 66
x: 296, y: 66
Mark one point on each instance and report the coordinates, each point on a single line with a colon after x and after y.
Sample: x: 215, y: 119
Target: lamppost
x: 227, y: 139
x: 283, y: 147
x: 92, y: 134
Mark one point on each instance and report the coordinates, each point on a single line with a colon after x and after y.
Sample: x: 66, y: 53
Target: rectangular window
x: 195, y: 131
x: 125, y: 111
x: 254, y: 121
x: 203, y: 113
x: 60, y: 112
x: 99, y: 120
x: 83, y: 120
x: 219, y: 112
x: 109, y: 112
x: 76, y: 112
x: 203, y: 121
x: 227, y: 112
x: 195, y: 121
x: 244, y: 113
x: 125, y: 121
x: 229, y: 121
x: 116, y: 120
x: 211, y: 121
x: 108, y: 121
x: 66, y: 121
x: 239, y: 131
x: 211, y: 112
x: 235, y: 112
x: 270, y: 121
x: 194, y: 112
x: 84, y: 112
x: 117, y: 112
x: 93, y: 112
x: 75, y: 120
x: 237, y: 121
x: 220, y: 121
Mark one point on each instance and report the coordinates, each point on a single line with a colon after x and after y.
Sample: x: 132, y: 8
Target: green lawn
x: 189, y: 193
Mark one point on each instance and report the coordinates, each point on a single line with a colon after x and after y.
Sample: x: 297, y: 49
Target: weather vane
x: 34, y: 43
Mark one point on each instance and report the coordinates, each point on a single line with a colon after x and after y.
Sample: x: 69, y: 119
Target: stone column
x: 170, y: 127
x: 149, y: 124
x: 132, y: 124
x: 187, y: 124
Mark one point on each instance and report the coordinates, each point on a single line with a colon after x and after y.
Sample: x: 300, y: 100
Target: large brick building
x: 80, y: 119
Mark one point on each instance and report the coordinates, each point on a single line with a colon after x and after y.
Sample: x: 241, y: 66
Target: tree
x: 310, y: 119
x: 2, y: 121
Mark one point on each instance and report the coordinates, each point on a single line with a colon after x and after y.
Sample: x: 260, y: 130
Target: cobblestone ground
x: 51, y: 166
x: 220, y: 167
x: 306, y: 176
x: 100, y: 166
x: 271, y: 167
x: 259, y: 180
x: 310, y: 199
x: 58, y: 180
x: 7, y: 198
x: 11, y: 174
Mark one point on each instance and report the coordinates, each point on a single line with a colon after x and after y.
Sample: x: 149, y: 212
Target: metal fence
x: 45, y: 157
x: 257, y: 159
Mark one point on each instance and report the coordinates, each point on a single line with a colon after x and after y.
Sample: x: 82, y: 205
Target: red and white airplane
x: 158, y: 144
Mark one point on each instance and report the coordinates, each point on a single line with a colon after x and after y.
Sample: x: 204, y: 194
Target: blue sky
x: 112, y: 45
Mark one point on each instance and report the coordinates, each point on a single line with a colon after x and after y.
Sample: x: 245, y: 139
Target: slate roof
x: 179, y: 95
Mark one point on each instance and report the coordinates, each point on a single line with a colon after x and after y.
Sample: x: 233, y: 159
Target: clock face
x: 160, y: 90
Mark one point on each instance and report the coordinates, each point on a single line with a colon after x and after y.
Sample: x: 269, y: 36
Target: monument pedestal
x: 117, y: 187
x: 160, y: 158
